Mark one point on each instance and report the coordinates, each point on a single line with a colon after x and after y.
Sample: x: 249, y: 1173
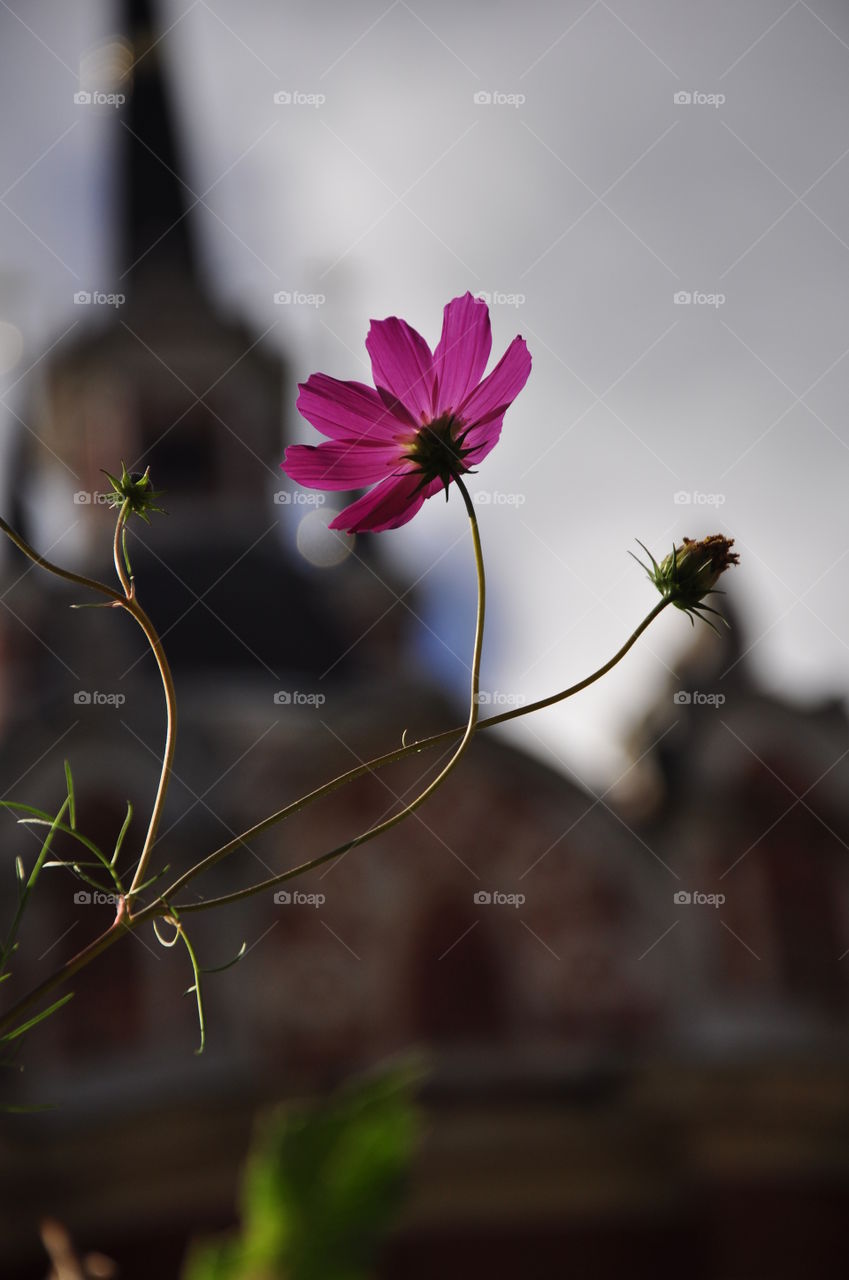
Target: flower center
x: 437, y: 450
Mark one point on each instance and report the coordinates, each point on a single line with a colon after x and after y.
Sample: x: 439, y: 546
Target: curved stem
x: 78, y: 578
x: 136, y: 611
x: 124, y: 924
x: 116, y: 550
x: 371, y: 766
x: 433, y: 785
x: 126, y: 601
x: 132, y: 606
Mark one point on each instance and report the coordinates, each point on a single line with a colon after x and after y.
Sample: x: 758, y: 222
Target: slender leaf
x: 124, y: 829
x: 39, y: 1017
x: 46, y: 821
x: 152, y: 879
x: 196, y: 970
x: 166, y: 942
x: 30, y: 884
x: 72, y: 811
x: 127, y: 564
x: 228, y: 964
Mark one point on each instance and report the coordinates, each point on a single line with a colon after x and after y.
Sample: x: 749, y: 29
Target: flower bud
x: 690, y: 572
x: 136, y: 491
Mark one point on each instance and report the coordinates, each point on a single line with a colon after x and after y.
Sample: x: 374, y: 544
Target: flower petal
x: 390, y: 504
x: 500, y: 388
x: 340, y: 464
x: 463, y: 351
x: 482, y: 439
x: 402, y: 365
x: 343, y: 410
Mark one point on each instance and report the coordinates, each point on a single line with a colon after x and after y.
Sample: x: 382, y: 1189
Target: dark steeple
x: 156, y: 232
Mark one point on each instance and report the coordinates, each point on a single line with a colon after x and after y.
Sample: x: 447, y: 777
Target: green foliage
x: 322, y: 1187
x: 32, y: 818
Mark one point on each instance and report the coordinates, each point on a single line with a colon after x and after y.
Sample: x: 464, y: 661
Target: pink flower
x: 432, y: 415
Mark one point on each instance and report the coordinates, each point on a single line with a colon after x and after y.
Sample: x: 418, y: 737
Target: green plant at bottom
x: 322, y: 1187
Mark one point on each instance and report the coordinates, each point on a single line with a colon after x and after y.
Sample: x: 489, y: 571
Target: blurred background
x: 621, y: 934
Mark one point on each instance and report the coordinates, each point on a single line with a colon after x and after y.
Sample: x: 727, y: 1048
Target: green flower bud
x: 690, y: 572
x: 136, y: 490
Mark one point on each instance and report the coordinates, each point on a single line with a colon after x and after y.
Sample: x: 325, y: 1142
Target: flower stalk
x: 127, y: 920
x: 429, y: 419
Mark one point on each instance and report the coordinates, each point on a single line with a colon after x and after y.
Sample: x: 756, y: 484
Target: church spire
x: 156, y: 235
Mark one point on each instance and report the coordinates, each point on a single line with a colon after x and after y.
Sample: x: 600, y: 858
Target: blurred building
x: 580, y: 1019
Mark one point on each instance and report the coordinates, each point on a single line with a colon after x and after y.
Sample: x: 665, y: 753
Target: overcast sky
x: 536, y: 152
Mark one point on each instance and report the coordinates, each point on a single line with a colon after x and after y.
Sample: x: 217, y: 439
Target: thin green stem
x: 127, y: 601
x: 78, y: 578
x: 161, y: 906
x: 131, y: 604
x: 120, y: 525
x: 448, y: 768
x: 371, y: 766
x: 134, y: 608
x: 124, y: 922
